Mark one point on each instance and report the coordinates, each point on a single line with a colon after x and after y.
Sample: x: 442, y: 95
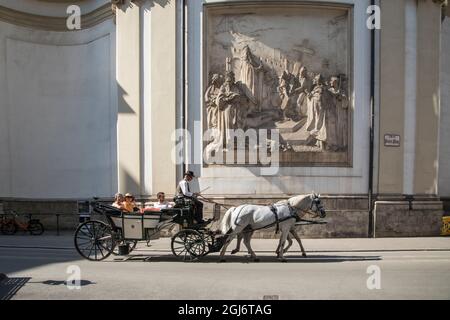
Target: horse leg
x: 225, y: 245
x: 247, y: 238
x: 294, y: 233
x: 238, y: 244
x: 289, y: 239
x: 230, y: 238
x: 284, y: 235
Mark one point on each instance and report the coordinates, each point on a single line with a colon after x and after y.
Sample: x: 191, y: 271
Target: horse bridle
x: 314, y: 213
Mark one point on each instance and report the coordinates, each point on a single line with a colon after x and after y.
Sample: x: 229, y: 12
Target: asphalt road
x: 334, y: 269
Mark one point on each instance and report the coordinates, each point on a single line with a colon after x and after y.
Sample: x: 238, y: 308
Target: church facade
x: 261, y: 99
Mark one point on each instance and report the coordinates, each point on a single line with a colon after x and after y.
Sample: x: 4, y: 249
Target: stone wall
x: 347, y: 217
x: 408, y: 219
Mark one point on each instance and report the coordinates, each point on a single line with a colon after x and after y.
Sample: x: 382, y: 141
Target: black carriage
x: 96, y: 240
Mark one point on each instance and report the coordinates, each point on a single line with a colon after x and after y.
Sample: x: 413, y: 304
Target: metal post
x: 57, y: 224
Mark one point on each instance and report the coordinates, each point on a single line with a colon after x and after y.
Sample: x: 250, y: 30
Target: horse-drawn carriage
x: 96, y: 240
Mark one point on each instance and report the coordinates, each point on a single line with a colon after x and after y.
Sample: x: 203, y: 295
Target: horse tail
x: 225, y: 225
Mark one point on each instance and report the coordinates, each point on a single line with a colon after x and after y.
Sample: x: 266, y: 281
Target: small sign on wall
x: 391, y: 140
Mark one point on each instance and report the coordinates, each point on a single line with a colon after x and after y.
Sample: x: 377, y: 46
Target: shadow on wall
x: 123, y: 106
x: 127, y: 183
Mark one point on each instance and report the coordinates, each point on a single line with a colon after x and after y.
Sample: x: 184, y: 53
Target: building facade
x: 355, y: 95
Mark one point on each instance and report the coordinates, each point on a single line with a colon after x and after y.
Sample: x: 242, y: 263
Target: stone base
x: 408, y: 219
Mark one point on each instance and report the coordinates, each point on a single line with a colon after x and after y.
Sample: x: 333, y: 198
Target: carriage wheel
x: 209, y: 242
x: 188, y: 245
x: 94, y: 240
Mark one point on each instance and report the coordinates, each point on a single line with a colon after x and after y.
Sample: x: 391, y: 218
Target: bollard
x: 57, y: 224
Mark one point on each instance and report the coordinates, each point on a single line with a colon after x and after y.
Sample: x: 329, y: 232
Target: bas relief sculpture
x: 281, y: 68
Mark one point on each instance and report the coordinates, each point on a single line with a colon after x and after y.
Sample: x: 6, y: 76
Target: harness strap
x: 293, y: 212
x: 277, y: 221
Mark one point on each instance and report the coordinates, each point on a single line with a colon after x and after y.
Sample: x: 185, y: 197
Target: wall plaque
x: 391, y: 140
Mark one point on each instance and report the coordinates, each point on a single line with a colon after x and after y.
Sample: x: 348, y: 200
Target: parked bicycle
x: 10, y: 226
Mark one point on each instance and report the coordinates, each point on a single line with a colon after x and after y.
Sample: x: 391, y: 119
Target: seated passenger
x: 129, y: 204
x: 162, y: 203
x: 119, y: 201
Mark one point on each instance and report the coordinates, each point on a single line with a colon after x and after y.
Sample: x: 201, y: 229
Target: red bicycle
x: 10, y: 226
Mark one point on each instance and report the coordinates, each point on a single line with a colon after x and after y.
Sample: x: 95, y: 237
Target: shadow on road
x: 247, y: 259
x: 59, y: 282
x: 10, y: 286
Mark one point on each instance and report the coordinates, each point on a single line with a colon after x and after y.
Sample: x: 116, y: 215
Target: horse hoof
x: 256, y: 260
x: 282, y: 259
x: 222, y: 260
x: 234, y: 251
x: 304, y: 255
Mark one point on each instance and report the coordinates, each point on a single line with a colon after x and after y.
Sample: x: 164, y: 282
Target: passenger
x: 130, y: 204
x: 162, y: 203
x: 119, y: 201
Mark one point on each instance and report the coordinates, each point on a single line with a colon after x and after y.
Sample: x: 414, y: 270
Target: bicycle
x: 11, y: 226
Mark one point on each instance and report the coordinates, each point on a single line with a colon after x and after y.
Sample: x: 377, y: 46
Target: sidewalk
x: 65, y: 241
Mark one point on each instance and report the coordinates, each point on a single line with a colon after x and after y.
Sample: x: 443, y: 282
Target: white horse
x: 246, y: 219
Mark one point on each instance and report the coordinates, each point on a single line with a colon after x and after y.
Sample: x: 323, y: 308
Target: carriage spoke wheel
x: 188, y: 245
x: 94, y: 240
x: 209, y: 242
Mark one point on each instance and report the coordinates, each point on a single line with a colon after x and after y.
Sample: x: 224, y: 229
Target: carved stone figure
x: 321, y: 122
x: 340, y: 102
x: 210, y: 101
x: 251, y: 78
x: 285, y: 90
x: 303, y: 89
x: 230, y: 102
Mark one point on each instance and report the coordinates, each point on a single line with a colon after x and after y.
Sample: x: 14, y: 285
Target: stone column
x: 163, y: 95
x: 146, y: 75
x: 129, y: 100
x: 427, y: 125
x: 392, y: 99
x: 409, y: 94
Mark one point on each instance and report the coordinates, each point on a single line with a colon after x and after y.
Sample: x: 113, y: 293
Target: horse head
x: 316, y: 205
x: 308, y: 203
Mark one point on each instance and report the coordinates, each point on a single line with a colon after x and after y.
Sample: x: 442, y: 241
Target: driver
x: 184, y: 190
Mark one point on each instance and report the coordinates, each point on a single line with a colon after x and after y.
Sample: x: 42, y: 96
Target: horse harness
x: 273, y: 208
x: 292, y: 214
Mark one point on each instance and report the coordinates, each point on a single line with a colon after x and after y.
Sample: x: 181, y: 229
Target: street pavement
x: 40, y: 267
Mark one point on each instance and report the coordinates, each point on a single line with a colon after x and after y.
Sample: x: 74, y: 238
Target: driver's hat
x: 189, y: 173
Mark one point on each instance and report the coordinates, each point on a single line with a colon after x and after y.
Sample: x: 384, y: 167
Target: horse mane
x: 298, y: 200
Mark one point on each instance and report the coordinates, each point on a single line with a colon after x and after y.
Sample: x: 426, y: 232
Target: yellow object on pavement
x: 445, y: 226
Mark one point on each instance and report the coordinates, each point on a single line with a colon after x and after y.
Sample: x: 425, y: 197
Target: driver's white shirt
x: 184, y: 185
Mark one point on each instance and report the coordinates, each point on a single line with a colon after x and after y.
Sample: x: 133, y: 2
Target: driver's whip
x: 211, y: 201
